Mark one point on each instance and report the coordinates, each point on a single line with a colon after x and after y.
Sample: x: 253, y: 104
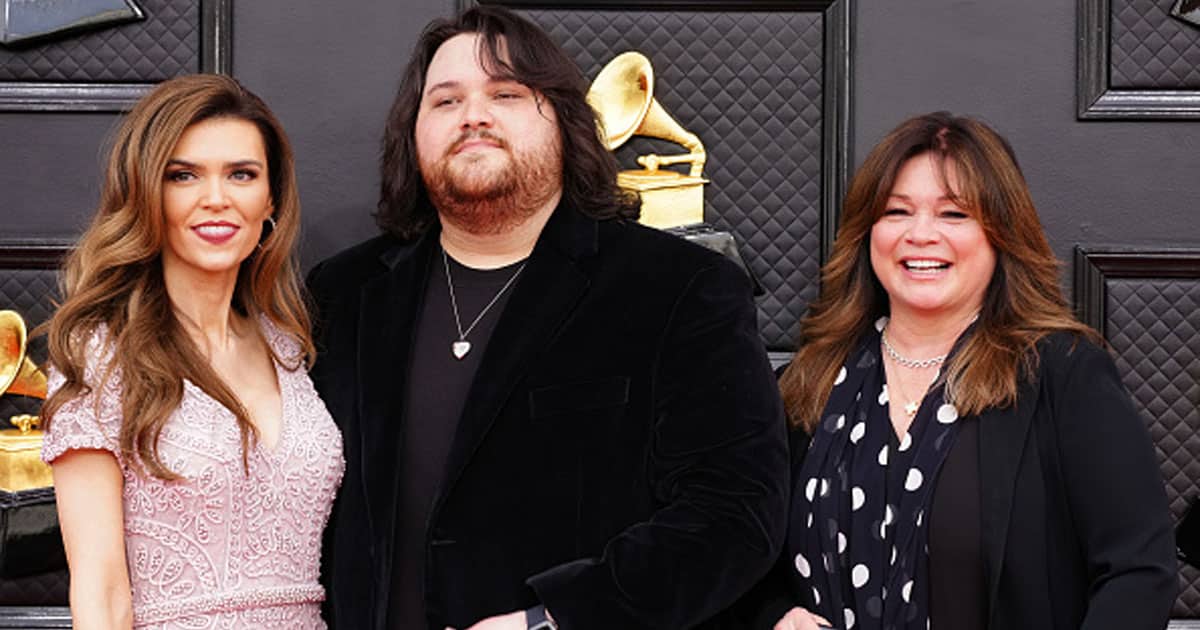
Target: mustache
x: 476, y: 134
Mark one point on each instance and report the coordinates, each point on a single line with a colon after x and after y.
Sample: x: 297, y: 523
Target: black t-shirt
x: 957, y: 585
x: 438, y: 384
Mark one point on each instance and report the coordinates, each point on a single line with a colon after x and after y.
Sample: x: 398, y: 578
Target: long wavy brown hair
x: 1022, y: 303
x: 113, y: 278
x: 512, y: 48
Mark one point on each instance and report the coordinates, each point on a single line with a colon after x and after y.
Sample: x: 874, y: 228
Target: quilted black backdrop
x: 28, y: 285
x: 752, y: 80
x: 109, y: 68
x: 1147, y: 304
x: 165, y: 45
x: 1135, y: 62
x: 1154, y: 329
x: 1150, y: 49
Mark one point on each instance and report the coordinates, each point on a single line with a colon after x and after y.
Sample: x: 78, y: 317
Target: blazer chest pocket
x: 579, y: 397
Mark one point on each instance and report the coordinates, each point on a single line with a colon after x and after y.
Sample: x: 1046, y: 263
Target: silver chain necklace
x: 917, y: 364
x: 460, y: 347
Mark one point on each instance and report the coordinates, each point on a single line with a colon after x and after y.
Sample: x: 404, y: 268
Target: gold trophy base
x: 669, y: 199
x: 21, y: 465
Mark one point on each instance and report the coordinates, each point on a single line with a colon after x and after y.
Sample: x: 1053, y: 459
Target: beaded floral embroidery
x: 219, y: 548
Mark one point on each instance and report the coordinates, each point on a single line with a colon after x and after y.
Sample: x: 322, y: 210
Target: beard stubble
x: 493, y: 202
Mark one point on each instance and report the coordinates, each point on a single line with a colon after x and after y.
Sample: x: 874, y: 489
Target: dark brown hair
x: 1022, y: 302
x: 512, y: 48
x: 114, y: 278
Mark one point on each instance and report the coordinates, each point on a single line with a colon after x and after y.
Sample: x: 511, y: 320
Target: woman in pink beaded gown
x: 194, y: 464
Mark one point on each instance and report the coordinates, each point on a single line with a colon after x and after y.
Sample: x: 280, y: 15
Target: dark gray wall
x: 1012, y: 63
x: 330, y: 71
x: 327, y: 70
x: 49, y: 172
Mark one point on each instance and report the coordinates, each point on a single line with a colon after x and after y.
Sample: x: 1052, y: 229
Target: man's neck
x: 495, y: 250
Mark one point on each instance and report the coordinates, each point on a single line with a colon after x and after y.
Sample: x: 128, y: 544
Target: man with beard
x: 553, y: 416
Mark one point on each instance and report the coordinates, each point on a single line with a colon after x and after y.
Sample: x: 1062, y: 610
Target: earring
x: 266, y: 233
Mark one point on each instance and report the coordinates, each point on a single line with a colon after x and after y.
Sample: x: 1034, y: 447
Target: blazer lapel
x: 387, y: 322
x: 553, y: 282
x: 1003, y: 438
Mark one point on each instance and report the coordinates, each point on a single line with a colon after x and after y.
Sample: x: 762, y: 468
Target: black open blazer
x: 622, y: 454
x: 1074, y: 519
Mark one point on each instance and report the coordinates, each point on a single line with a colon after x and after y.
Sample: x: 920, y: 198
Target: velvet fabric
x: 1074, y: 520
x: 622, y: 456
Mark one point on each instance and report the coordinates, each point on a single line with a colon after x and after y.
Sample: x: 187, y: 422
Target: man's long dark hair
x: 511, y: 48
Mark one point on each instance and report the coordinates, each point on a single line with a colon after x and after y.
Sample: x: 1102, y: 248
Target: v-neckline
x: 272, y: 450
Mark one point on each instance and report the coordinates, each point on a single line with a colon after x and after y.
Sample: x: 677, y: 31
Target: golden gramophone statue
x: 30, y: 542
x: 623, y: 97
x: 21, y: 467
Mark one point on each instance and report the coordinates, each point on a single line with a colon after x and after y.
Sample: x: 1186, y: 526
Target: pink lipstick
x: 215, y: 232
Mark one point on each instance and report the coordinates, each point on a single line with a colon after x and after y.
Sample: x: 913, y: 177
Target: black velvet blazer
x: 1074, y: 521
x: 622, y: 457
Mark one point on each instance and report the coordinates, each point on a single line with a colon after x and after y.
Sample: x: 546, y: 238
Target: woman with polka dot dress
x: 965, y: 454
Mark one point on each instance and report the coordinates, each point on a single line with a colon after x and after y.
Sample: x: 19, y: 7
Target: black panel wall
x: 1013, y: 64
x: 330, y: 69
x: 1146, y: 303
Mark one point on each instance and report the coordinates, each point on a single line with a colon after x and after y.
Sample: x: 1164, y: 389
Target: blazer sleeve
x: 719, y: 472
x: 774, y: 595
x: 345, y: 549
x: 316, y: 294
x: 769, y: 600
x: 1115, y: 495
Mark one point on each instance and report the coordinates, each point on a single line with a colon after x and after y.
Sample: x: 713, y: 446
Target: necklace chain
x: 916, y: 364
x: 911, y: 405
x: 462, y: 334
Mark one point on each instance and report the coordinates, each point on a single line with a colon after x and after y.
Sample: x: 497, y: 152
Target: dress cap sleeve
x: 92, y: 420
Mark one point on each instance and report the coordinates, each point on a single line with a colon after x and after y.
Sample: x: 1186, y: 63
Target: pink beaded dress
x: 218, y: 548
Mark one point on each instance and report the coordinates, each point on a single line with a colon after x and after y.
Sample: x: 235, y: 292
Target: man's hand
x: 800, y: 619
x: 511, y: 621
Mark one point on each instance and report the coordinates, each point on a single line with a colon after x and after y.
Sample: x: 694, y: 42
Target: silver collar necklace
x: 460, y: 347
x: 916, y: 364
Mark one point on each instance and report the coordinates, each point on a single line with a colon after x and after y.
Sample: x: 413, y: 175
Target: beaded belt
x: 158, y: 612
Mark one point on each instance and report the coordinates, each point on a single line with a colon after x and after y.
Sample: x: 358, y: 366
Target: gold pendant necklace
x: 910, y: 406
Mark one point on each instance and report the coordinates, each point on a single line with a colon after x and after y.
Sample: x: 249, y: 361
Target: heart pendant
x: 460, y: 348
